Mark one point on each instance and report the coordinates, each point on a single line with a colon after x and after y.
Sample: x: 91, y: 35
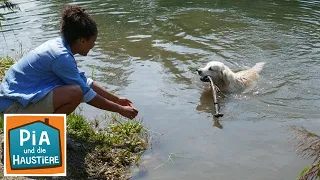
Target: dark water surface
x: 148, y: 51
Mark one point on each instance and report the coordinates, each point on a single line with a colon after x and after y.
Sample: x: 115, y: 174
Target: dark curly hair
x: 76, y: 23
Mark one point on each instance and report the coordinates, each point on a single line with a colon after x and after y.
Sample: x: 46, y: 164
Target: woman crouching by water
x: 47, y: 79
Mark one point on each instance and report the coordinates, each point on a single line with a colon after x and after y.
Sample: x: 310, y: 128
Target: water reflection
x: 207, y: 105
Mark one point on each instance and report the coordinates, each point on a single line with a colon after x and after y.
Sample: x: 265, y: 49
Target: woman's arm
x: 108, y: 95
x: 102, y: 103
x: 104, y: 93
x: 108, y: 101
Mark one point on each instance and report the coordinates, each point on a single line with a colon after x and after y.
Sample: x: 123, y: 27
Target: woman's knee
x: 66, y: 98
x: 68, y: 94
x: 75, y: 93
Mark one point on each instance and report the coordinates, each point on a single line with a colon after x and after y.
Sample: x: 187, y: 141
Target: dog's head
x: 217, y: 71
x: 214, y: 69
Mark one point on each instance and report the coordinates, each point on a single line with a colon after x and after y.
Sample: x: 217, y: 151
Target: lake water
x: 149, y: 51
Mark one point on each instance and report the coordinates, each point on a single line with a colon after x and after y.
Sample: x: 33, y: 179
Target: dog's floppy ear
x: 225, y: 77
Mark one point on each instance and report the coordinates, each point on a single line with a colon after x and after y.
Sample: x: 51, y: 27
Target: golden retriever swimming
x: 227, y: 80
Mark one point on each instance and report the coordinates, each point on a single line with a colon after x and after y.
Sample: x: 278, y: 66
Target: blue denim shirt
x: 50, y: 65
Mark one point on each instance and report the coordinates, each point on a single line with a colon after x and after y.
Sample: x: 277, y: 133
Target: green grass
x: 1, y: 125
x: 5, y: 63
x: 119, y: 133
x: 108, y: 152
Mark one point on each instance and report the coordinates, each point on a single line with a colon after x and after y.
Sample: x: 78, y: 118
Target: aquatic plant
x: 5, y: 4
x: 309, y: 147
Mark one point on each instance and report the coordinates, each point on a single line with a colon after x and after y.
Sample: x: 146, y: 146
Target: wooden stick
x: 215, y: 101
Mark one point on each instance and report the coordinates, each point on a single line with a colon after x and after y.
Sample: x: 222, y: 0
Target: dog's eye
x: 210, y: 68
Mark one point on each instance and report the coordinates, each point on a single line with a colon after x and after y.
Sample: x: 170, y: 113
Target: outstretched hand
x: 124, y: 102
x: 128, y: 111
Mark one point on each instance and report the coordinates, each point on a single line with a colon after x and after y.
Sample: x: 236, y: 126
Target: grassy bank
x: 5, y: 63
x: 96, y: 152
x: 106, y: 153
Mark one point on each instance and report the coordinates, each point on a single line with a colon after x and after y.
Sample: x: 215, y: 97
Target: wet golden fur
x: 227, y: 80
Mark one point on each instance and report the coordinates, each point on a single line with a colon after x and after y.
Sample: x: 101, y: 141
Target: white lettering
x: 39, y: 160
x: 33, y: 138
x: 44, y: 137
x: 15, y: 160
x: 22, y: 138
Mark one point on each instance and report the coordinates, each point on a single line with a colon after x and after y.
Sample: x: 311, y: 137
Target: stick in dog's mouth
x: 214, y: 95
